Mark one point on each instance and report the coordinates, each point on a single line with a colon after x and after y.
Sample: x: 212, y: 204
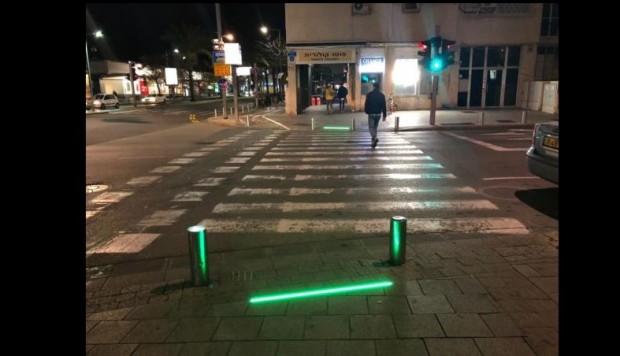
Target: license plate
x: 552, y: 142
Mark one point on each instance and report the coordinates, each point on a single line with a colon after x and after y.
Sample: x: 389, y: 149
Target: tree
x: 272, y: 52
x: 192, y: 43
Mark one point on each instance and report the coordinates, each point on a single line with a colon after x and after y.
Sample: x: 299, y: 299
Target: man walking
x: 374, y: 107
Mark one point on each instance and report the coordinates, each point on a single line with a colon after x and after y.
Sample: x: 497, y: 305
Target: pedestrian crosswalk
x: 334, y: 182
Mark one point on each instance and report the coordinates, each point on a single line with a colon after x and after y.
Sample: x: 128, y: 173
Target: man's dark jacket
x: 375, y: 103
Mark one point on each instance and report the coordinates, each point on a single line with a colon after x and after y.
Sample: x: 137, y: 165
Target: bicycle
x: 392, y: 107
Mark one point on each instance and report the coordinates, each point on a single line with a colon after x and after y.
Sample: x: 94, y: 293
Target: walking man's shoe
x: 374, y: 142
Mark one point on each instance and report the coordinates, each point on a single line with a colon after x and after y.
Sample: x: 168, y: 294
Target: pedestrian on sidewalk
x: 329, y: 98
x: 342, y: 96
x: 374, y: 107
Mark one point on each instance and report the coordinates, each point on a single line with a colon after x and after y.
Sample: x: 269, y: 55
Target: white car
x: 102, y: 101
x: 153, y: 99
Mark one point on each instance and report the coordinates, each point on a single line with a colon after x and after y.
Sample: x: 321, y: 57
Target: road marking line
x: 110, y: 197
x: 364, y: 159
x: 162, y: 218
x: 145, y: 180
x: 141, y: 157
x: 127, y: 243
x: 369, y: 152
x: 225, y: 169
x: 182, y: 161
x: 300, y: 177
x: 289, y: 207
x: 509, y: 178
x: 209, y: 182
x: 485, y: 144
x: 165, y: 169
x: 189, y: 196
x: 349, y: 166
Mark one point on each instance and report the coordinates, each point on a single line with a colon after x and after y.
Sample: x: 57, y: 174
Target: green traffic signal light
x: 436, y: 64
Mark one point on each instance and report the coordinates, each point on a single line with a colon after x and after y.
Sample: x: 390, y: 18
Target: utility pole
x: 131, y: 80
x: 219, y: 37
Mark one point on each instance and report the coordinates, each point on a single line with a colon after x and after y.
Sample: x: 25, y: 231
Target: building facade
x: 497, y: 52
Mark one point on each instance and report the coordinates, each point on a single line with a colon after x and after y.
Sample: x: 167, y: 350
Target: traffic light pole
x: 131, y: 80
x: 434, y: 85
x: 219, y: 37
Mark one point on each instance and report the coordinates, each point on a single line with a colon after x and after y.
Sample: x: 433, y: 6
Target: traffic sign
x: 221, y: 70
x: 219, y: 57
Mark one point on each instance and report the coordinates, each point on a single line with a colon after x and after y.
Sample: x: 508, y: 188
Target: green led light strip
x: 336, y: 128
x: 324, y: 291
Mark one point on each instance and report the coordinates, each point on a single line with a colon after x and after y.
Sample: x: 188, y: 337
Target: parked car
x: 542, y: 157
x: 102, y: 101
x: 153, y: 99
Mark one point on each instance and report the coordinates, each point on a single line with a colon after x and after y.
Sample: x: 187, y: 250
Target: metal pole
x: 398, y: 240
x: 235, y: 101
x: 247, y: 119
x: 199, y: 263
x: 481, y: 118
x: 219, y: 37
x: 524, y: 117
x: 90, y: 79
x: 312, y: 124
x: 215, y: 113
x: 352, y: 124
x: 433, y: 98
x: 396, y: 124
x: 133, y: 89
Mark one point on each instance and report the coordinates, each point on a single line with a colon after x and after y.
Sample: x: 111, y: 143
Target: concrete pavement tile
x: 117, y: 314
x: 400, y: 347
x: 156, y: 330
x: 254, y: 348
x: 500, y: 282
x: 193, y: 330
x: 152, y: 311
x: 407, y: 287
x: 316, y: 306
x: 542, y: 340
x: 463, y: 325
x: 227, y: 309
x: 347, y: 305
x: 327, y: 327
x: 470, y: 285
x: 282, y: 328
x: 206, y: 348
x: 302, y: 348
x: 429, y: 304
x: 158, y: 350
x: 452, y: 347
x: 439, y: 286
x: 94, y: 285
x: 109, y: 332
x: 119, y: 282
x: 189, y: 308
x: 536, y: 320
x: 555, y: 297
x: 90, y: 324
x: 372, y: 327
x: 351, y: 348
x: 113, y: 349
x: 417, y: 326
x: 468, y: 260
x: 274, y: 308
x: 502, y: 325
x: 89, y: 347
x: 526, y: 271
x: 264, y: 274
x: 308, y: 268
x: 388, y: 305
x: 546, y: 269
x: 504, y: 347
x: 549, y: 285
x: 473, y: 303
x: 513, y: 251
x: 507, y: 293
x: 523, y: 305
x: 452, y: 271
x: 243, y: 328
x: 134, y: 267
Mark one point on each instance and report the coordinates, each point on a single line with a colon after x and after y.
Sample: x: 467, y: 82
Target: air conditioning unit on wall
x: 361, y: 8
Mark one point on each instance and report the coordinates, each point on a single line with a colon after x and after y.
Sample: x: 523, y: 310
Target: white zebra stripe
x: 368, y: 152
x: 369, y: 226
x: 289, y: 207
x: 300, y: 177
x: 365, y: 159
x: 351, y: 191
x: 340, y: 147
x: 349, y: 166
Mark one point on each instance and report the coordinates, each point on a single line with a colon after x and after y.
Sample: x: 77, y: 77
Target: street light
x: 97, y: 34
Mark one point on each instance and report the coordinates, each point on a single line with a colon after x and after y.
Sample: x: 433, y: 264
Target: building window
x: 405, y: 76
x: 547, y: 63
x: 550, y: 19
x: 411, y: 7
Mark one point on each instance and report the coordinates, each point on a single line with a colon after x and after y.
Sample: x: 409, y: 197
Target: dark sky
x: 134, y: 30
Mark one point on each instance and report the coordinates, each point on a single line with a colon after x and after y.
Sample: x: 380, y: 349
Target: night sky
x: 134, y: 30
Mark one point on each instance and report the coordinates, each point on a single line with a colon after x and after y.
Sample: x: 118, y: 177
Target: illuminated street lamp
x: 265, y: 31
x: 90, y: 80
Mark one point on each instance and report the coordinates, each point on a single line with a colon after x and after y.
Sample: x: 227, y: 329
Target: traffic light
x: 447, y: 51
x: 425, y: 52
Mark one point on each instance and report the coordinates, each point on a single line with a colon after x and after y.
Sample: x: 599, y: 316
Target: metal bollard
x: 312, y: 124
x: 199, y: 264
x: 230, y: 111
x: 396, y: 124
x: 215, y: 113
x: 398, y: 240
x: 481, y: 118
x: 247, y: 119
x: 352, y: 124
x: 524, y: 117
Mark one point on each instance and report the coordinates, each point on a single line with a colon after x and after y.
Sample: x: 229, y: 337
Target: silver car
x: 542, y: 157
x: 102, y: 101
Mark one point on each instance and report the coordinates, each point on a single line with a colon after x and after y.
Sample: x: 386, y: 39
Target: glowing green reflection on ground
x: 322, y: 291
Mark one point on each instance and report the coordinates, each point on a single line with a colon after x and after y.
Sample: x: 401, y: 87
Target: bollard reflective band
x: 323, y: 291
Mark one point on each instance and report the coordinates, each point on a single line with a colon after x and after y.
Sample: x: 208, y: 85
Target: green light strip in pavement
x: 336, y: 128
x: 323, y: 291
